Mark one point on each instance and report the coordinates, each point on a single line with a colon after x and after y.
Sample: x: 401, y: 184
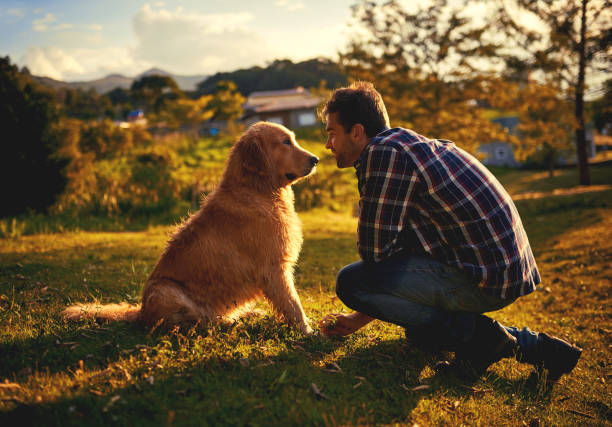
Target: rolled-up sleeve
x: 387, y: 184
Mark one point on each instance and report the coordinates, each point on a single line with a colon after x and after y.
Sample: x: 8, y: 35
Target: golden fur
x: 241, y: 245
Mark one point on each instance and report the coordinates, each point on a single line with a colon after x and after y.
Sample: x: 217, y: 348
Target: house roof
x: 283, y: 106
x: 280, y: 100
x: 284, y: 92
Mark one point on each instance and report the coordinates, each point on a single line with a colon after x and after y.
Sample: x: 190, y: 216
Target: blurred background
x: 119, y: 115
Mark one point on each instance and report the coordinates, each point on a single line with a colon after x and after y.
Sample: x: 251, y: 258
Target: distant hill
x: 281, y: 74
x: 112, y: 81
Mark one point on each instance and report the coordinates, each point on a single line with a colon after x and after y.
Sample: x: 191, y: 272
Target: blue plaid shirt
x: 428, y: 196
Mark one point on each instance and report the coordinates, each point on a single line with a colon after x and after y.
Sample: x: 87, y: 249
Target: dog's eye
x: 287, y: 142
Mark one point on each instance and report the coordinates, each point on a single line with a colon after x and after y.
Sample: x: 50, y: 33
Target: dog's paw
x: 306, y: 329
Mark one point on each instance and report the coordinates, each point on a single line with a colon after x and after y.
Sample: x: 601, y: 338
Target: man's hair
x: 358, y: 103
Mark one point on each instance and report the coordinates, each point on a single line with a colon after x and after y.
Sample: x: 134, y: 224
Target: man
x: 440, y: 241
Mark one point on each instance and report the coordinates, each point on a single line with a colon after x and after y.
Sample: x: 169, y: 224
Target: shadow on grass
x: 231, y: 391
x: 368, y: 382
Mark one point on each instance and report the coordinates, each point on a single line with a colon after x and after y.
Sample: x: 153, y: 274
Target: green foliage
x: 30, y: 170
x: 124, y: 171
x: 153, y: 92
x: 426, y: 66
x: 601, y: 109
x: 226, y: 102
x: 546, y: 124
x: 86, y: 105
x: 571, y: 41
x: 281, y: 74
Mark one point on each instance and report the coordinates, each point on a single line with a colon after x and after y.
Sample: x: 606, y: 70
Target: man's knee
x: 347, y: 281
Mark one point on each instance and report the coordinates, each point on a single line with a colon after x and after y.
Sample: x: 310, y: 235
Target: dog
x: 241, y: 245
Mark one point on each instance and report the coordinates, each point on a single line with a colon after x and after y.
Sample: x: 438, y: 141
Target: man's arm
x: 388, y: 184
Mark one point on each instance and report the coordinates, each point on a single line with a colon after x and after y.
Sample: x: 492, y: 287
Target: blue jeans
x: 414, y: 291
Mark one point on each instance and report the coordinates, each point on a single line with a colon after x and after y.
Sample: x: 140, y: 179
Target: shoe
x: 432, y: 338
x: 489, y: 343
x: 551, y: 358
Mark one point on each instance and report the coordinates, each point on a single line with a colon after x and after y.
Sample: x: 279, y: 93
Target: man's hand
x: 339, y: 324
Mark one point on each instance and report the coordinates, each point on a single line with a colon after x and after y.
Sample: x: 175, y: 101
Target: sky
x: 82, y: 40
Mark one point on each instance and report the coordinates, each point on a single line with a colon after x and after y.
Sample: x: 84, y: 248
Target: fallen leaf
x: 317, y: 392
x: 417, y: 388
x: 111, y: 402
x: 333, y: 367
x: 128, y: 376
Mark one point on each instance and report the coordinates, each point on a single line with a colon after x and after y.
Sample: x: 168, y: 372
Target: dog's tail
x: 109, y: 312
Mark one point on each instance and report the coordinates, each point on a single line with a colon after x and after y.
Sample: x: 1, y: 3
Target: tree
x: 572, y: 40
x: 546, y: 124
x: 83, y: 104
x: 121, y: 102
x: 30, y: 170
x: 280, y: 74
x: 601, y: 109
x: 426, y: 65
x: 226, y: 103
x: 192, y: 112
x: 155, y: 91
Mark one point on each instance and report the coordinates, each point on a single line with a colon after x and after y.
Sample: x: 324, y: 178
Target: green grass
x: 259, y: 372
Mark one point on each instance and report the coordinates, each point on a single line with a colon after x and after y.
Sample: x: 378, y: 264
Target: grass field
x: 258, y: 372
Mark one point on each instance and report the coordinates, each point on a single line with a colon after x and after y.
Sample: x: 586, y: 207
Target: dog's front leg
x: 281, y: 293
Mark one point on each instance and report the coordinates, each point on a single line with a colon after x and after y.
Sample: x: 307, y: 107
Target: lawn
x: 259, y: 372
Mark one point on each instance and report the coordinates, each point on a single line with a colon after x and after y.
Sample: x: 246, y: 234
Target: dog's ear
x: 251, y: 155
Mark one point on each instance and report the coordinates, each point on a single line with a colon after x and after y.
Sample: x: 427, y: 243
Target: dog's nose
x: 314, y: 160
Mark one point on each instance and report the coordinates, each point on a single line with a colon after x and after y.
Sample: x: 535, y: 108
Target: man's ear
x: 358, y: 133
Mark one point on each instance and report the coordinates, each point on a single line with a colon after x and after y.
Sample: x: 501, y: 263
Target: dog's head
x: 270, y: 151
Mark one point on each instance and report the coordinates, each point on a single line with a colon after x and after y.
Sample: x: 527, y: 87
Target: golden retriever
x: 241, y: 245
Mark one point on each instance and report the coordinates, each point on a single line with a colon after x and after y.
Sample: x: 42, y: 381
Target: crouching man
x: 440, y: 241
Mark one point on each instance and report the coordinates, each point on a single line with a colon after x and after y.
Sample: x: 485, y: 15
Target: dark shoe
x: 432, y: 338
x: 489, y: 343
x: 552, y: 357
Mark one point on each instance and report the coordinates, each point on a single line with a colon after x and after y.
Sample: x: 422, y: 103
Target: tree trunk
x: 551, y: 168
x: 581, y: 146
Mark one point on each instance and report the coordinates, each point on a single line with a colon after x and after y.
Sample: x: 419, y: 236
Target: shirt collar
x: 357, y: 162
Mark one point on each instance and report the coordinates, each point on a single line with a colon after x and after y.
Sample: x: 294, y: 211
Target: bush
x: 30, y: 169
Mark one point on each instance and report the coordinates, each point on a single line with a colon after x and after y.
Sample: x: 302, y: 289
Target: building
x: 499, y: 153
x: 292, y: 108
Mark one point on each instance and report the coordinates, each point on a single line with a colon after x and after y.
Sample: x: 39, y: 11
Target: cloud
x: 50, y: 62
x: 12, y: 15
x: 197, y: 43
x: 42, y: 24
x: 49, y: 23
x: 289, y: 4
x: 81, y: 63
x: 16, y: 12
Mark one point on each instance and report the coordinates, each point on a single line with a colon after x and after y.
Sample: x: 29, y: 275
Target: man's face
x: 340, y: 142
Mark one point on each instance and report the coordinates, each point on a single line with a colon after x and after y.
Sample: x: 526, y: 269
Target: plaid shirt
x: 428, y: 196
